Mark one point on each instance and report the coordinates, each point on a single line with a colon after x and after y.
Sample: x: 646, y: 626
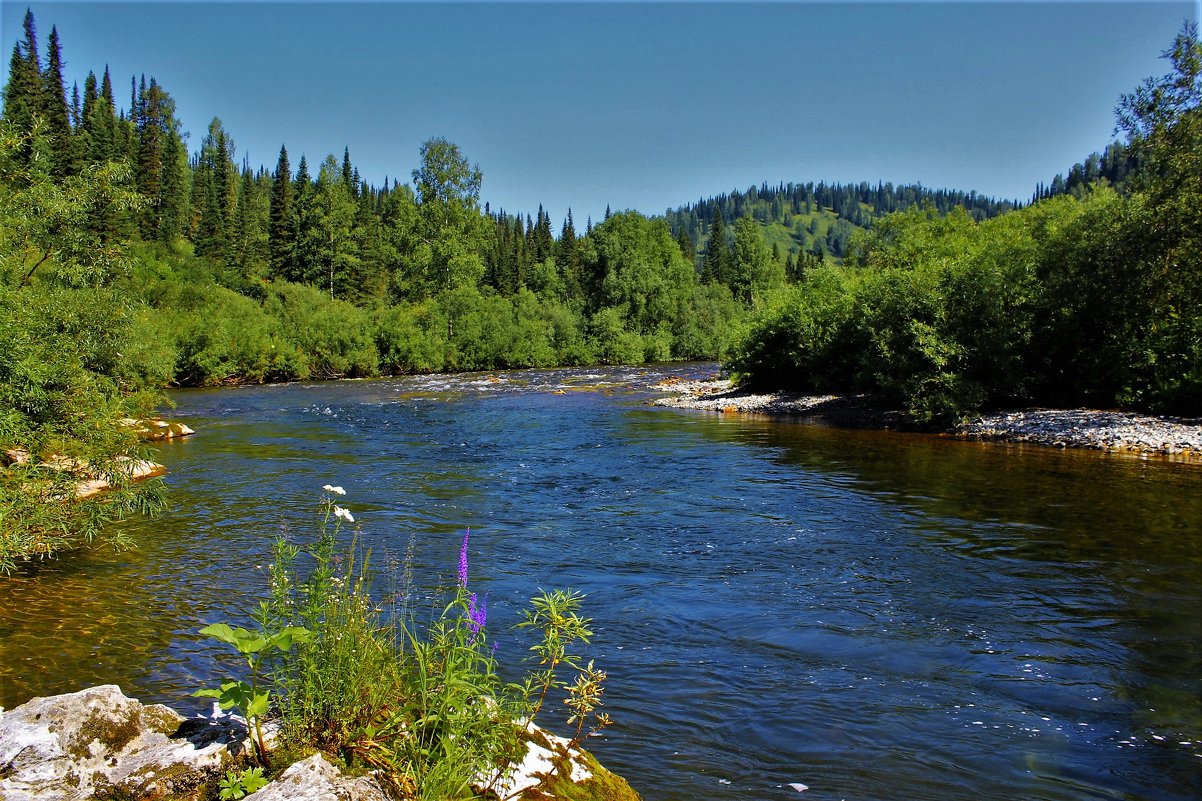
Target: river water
x: 874, y: 615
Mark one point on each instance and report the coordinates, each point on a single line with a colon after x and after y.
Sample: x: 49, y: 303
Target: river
x: 875, y: 615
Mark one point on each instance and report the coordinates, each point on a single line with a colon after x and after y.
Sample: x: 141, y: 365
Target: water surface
x: 875, y: 615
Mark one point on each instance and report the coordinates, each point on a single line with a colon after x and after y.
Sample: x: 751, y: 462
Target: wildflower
x: 463, y: 559
x: 334, y: 490
x: 476, y: 615
x: 344, y: 514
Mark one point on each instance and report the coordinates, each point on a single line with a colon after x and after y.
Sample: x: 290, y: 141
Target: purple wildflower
x: 463, y: 559
x: 477, y: 615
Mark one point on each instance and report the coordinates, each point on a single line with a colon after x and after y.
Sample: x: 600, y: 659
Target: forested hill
x: 817, y: 219
x: 1116, y: 164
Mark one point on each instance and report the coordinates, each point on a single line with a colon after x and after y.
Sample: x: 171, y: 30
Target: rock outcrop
x: 100, y: 744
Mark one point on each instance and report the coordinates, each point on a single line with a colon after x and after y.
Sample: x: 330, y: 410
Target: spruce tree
x: 544, y: 240
x: 24, y: 94
x: 63, y: 158
x: 150, y: 130
x: 76, y: 109
x: 280, y: 229
x: 715, y: 265
x: 106, y: 90
x: 174, y: 207
x: 302, y: 191
x: 568, y: 258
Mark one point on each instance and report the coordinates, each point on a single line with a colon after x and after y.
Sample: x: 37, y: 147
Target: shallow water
x: 875, y: 615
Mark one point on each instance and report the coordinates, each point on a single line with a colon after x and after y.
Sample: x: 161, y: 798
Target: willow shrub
x: 68, y: 373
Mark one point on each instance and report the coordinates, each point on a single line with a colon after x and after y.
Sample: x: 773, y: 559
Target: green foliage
x: 422, y: 706
x: 237, y: 784
x: 248, y: 697
x: 1063, y: 303
x: 66, y: 382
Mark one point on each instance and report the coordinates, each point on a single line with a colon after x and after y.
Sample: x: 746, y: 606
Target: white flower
x: 334, y: 490
x: 344, y: 514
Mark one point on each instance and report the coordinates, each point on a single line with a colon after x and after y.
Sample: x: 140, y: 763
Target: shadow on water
x: 872, y: 614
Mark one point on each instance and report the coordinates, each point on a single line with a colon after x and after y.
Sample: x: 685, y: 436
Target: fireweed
x: 423, y: 707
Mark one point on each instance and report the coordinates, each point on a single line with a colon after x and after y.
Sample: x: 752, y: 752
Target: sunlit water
x: 874, y: 615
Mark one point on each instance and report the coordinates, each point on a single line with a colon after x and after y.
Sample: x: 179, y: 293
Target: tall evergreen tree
x: 544, y: 240
x: 24, y: 94
x: 64, y: 160
x: 716, y: 262
x: 106, y: 89
x: 153, y: 118
x: 215, y: 193
x: 302, y: 192
x: 568, y: 258
x: 76, y: 109
x: 280, y: 230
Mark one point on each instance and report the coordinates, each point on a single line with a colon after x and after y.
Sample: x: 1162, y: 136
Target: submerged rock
x: 155, y: 429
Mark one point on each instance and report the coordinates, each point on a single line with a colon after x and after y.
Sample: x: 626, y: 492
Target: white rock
x: 315, y: 779
x: 98, y: 741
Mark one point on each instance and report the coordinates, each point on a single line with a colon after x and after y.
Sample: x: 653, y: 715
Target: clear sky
x: 643, y: 106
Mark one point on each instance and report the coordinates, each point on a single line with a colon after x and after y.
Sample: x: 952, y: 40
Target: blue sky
x: 643, y: 106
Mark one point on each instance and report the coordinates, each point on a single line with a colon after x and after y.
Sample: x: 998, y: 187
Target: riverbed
x: 873, y: 614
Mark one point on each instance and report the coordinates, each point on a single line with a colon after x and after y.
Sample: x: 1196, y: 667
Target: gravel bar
x: 1063, y: 428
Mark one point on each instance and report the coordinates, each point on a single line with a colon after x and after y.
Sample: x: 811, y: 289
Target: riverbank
x: 1125, y: 432
x: 99, y: 743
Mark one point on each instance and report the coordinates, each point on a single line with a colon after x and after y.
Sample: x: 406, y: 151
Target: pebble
x: 1128, y: 432
x: 1089, y: 428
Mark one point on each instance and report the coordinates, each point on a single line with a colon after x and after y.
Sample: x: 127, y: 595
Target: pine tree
x: 106, y: 89
x: 76, y: 110
x: 302, y: 192
x: 24, y: 94
x: 280, y: 231
x: 715, y: 265
x: 215, y: 193
x: 174, y: 209
x: 568, y: 257
x: 64, y: 159
x: 151, y: 125
x: 544, y: 240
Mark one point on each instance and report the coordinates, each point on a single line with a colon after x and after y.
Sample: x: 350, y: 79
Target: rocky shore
x: 1124, y: 432
x: 100, y: 744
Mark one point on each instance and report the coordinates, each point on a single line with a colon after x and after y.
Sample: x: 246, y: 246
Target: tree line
x: 1090, y: 295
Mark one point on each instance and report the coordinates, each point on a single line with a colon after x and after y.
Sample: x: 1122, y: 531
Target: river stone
x: 315, y: 779
x: 553, y: 768
x: 98, y: 743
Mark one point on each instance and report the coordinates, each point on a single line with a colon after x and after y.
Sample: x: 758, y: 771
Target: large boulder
x: 98, y: 743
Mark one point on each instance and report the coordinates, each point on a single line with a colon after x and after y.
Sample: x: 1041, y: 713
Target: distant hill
x: 816, y: 219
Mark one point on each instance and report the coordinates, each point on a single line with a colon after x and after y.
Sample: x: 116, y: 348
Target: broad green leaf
x: 257, y: 707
